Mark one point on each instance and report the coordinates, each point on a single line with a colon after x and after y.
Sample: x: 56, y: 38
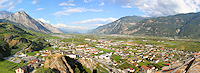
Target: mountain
x: 69, y: 31
x: 119, y: 26
x: 49, y: 27
x: 4, y: 14
x: 182, y: 25
x: 27, y: 21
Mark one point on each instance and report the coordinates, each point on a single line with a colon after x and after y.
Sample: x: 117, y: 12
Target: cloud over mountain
x: 96, y: 21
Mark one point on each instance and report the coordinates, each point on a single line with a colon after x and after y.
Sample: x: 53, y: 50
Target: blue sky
x: 83, y: 15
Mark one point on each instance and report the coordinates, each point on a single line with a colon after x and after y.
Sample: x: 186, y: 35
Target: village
x: 113, y: 56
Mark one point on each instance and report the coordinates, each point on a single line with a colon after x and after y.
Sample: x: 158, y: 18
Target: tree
x: 77, y: 70
x: 44, y: 70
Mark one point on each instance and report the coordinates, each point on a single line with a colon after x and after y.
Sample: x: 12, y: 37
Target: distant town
x: 110, y: 55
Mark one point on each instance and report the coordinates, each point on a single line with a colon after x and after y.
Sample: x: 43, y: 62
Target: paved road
x: 112, y: 68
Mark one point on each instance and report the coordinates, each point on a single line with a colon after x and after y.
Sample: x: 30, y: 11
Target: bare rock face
x: 57, y: 61
x: 27, y: 21
x: 86, y: 63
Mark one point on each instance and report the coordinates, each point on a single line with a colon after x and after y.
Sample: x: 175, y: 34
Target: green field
x: 8, y: 67
x: 105, y: 50
x: 116, y: 58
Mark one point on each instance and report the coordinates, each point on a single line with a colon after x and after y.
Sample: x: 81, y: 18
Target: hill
x: 181, y: 25
x: 119, y: 26
x: 14, y: 39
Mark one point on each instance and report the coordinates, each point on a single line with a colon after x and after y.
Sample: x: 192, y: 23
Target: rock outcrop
x: 86, y: 63
x: 58, y: 62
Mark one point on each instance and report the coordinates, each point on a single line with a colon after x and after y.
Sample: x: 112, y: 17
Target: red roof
x: 45, y: 53
x: 196, y: 53
x: 145, y: 67
x: 33, y: 61
x: 135, y: 64
x: 166, y: 64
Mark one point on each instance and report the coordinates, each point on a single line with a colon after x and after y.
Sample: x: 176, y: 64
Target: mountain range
x: 4, y: 14
x: 181, y: 25
x: 119, y: 26
x: 23, y: 20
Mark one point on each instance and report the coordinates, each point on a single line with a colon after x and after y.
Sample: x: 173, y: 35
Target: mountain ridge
x: 119, y: 26
x: 181, y: 25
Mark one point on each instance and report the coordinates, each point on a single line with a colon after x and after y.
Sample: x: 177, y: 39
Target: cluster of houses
x: 151, y: 53
x: 138, y: 52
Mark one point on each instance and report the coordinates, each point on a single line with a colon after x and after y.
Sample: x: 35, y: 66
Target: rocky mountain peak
x: 27, y: 21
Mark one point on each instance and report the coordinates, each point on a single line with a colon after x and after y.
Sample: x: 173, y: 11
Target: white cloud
x: 61, y: 25
x: 35, y: 1
x: 69, y: 3
x: 98, y: 24
x: 96, y: 21
x: 40, y: 9
x: 126, y: 6
x: 11, y: 7
x: 66, y: 4
x: 102, y: 4
x: 162, y: 7
x: 74, y: 10
x: 10, y: 4
x: 44, y: 21
x: 21, y: 9
x: 86, y: 1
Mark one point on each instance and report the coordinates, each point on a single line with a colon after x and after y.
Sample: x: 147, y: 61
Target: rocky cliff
x: 58, y: 62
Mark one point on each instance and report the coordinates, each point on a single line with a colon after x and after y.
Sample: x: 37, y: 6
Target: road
x: 111, y: 68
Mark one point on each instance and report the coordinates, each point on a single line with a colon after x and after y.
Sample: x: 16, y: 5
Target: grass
x: 117, y: 58
x: 105, y: 50
x: 50, y: 48
x: 161, y: 63
x: 32, y: 53
x: 8, y: 67
x: 102, y: 70
x: 125, y: 65
x: 142, y: 63
x: 87, y: 69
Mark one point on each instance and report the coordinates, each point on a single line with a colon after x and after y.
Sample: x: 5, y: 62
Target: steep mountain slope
x: 27, y: 21
x: 14, y: 39
x: 4, y: 14
x: 182, y: 25
x: 49, y: 27
x: 119, y: 26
